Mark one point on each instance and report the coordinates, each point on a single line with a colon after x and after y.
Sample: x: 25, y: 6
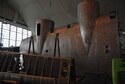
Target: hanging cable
x: 42, y: 8
x: 50, y: 3
x: 61, y: 3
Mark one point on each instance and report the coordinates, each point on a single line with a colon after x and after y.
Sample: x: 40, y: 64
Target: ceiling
x: 63, y: 12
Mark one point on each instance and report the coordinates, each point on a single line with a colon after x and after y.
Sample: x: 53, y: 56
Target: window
x: 25, y: 33
x: 18, y: 43
x: 0, y: 31
x: 19, y: 30
x: 24, y: 36
x: 5, y: 42
x: 13, y: 28
x: 0, y: 24
x: 6, y: 26
x: 29, y: 33
x: 11, y: 35
x: 12, y: 43
x: 5, y: 31
x: 19, y: 36
x: 5, y: 34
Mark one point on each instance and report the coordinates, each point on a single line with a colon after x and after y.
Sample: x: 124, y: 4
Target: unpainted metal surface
x: 92, y: 43
x: 45, y: 26
x: 105, y: 45
x: 88, y: 11
x: 105, y: 39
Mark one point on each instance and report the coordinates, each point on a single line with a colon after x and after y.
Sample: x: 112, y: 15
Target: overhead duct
x: 88, y: 11
x: 41, y: 33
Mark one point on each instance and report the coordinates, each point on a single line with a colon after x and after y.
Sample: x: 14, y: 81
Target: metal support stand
x: 57, y: 43
x: 31, y: 41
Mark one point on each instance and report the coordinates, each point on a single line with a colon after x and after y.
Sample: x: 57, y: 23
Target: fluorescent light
x: 123, y: 32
